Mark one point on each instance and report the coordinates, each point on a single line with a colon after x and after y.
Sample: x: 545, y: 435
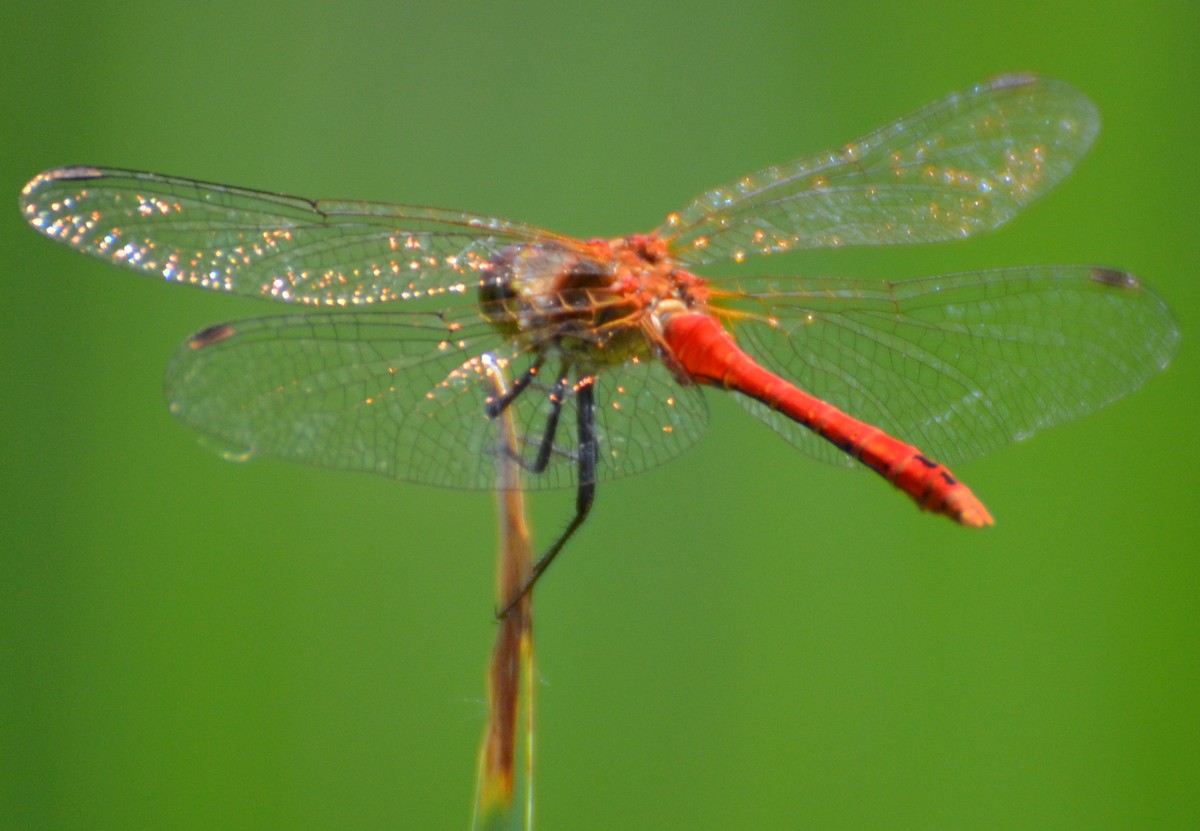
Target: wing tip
x: 49, y: 178
x: 212, y: 335
x: 1012, y: 80
x: 1079, y: 118
x: 71, y: 173
x: 1114, y: 277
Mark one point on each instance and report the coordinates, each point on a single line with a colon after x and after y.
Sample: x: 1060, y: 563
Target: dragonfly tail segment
x: 708, y: 353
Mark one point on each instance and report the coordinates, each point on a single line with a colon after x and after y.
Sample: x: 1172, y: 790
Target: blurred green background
x: 743, y: 638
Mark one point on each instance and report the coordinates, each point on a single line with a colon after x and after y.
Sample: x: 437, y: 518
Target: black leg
x: 547, y: 445
x: 495, y: 405
x: 585, y: 402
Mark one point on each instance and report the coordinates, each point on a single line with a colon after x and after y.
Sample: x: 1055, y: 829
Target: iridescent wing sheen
x: 956, y: 365
x: 284, y: 248
x: 404, y: 395
x: 962, y: 165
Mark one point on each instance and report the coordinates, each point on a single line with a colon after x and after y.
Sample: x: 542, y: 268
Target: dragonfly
x: 411, y: 311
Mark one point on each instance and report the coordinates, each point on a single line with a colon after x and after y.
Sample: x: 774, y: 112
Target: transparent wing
x: 961, y: 165
x: 957, y: 365
x: 404, y: 395
x: 283, y: 248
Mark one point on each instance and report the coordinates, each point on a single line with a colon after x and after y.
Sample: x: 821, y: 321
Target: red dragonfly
x: 624, y: 333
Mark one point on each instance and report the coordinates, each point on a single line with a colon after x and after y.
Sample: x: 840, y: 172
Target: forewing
x: 962, y: 165
x: 962, y: 364
x: 258, y: 244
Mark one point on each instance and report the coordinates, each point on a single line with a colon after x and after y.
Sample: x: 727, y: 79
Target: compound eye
x: 496, y: 286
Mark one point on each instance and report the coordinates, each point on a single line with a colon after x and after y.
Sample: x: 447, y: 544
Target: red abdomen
x: 709, y: 355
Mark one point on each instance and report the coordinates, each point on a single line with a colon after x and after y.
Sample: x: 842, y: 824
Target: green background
x: 740, y: 639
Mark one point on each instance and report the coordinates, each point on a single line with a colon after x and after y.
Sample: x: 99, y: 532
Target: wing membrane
x: 962, y: 165
x: 962, y: 364
x: 404, y: 395
x: 283, y: 248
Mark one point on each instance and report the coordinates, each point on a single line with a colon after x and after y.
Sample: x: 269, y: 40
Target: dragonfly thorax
x: 594, y: 302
